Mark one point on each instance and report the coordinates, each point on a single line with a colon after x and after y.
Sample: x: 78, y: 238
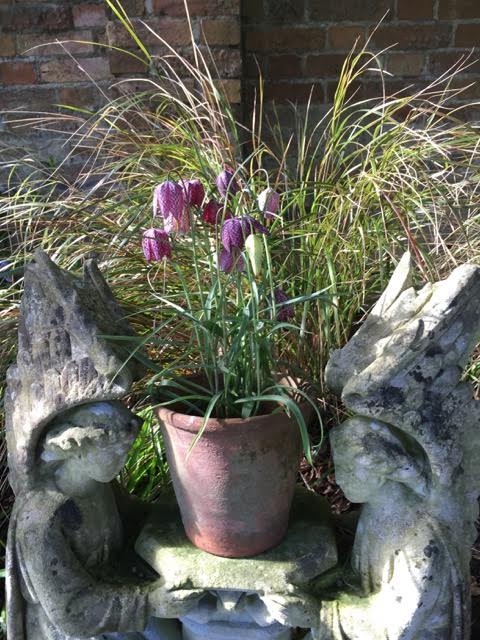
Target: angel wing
x: 62, y: 358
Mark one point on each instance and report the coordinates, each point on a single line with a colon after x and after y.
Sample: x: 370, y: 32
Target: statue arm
x: 76, y: 602
x: 133, y: 511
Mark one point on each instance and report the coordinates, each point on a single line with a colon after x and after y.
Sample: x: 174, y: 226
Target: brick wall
x: 48, y: 75
x: 297, y: 43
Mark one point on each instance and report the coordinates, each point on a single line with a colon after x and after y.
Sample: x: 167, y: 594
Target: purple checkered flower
x: 213, y: 213
x: 180, y: 226
x: 194, y: 192
x: 269, y: 203
x: 286, y: 312
x: 226, y: 183
x: 232, y: 234
x: 227, y: 261
x: 235, y: 230
x: 156, y: 245
x: 169, y: 199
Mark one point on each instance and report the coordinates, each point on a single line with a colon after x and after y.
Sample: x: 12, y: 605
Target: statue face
x: 103, y: 464
x: 359, y: 483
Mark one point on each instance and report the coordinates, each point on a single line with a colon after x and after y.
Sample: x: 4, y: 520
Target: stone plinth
x: 254, y: 598
x: 307, y: 551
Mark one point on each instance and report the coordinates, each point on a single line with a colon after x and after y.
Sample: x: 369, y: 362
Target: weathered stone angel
x: 68, y: 436
x: 411, y: 455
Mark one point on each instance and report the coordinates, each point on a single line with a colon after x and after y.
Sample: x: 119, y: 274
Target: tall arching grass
x: 369, y: 180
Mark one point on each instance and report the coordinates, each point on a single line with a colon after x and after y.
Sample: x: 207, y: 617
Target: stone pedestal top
x: 307, y: 551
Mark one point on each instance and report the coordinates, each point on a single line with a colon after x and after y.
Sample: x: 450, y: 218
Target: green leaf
x: 211, y: 406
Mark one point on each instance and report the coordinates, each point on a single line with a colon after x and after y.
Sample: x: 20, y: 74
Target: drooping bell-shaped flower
x: 269, y: 203
x: 169, y: 198
x: 236, y: 230
x: 226, y: 183
x: 255, y: 251
x: 194, y: 192
x: 179, y: 226
x: 156, y: 244
x: 286, y: 311
x: 213, y: 212
x: 232, y: 234
x: 227, y: 261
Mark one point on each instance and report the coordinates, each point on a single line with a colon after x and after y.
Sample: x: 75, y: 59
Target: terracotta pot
x: 235, y: 488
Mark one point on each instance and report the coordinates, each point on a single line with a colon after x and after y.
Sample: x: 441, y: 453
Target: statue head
x: 97, y: 435
x: 367, y: 453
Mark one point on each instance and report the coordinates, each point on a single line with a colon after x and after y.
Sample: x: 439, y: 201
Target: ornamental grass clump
x: 341, y: 198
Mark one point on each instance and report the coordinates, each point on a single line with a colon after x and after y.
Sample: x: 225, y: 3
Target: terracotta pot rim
x: 194, y: 423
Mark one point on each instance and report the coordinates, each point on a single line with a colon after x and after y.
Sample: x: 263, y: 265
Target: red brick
x: 452, y: 9
x: 7, y: 45
x: 414, y: 36
x: 470, y: 90
x: 374, y: 90
x: 122, y: 62
x: 254, y: 65
x: 89, y: 15
x: 68, y: 70
x: 252, y: 10
x: 324, y: 65
x: 17, y: 73
x: 175, y: 32
x: 467, y: 35
x: 351, y: 10
x: 134, y: 8
x: 443, y: 61
x: 228, y: 62
x: 224, y: 62
x: 343, y: 38
x: 292, y: 11
x: 176, y: 8
x: 231, y: 89
x: 286, y: 66
x: 355, y: 90
x: 50, y: 47
x: 415, y: 9
x: 41, y: 99
x: 406, y: 64
x: 294, y: 92
x: 224, y: 32
x: 86, y: 97
x: 29, y: 18
x: 266, y: 39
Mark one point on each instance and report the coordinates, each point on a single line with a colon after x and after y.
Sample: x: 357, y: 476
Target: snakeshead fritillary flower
x: 226, y: 183
x: 181, y: 226
x: 156, y: 245
x: 227, y: 260
x: 169, y: 198
x: 268, y: 203
x: 232, y: 234
x: 235, y: 230
x: 194, y: 192
x: 286, y: 312
x: 213, y: 212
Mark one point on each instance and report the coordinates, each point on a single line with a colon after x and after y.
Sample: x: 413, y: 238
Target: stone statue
x: 411, y: 455
x: 68, y: 436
